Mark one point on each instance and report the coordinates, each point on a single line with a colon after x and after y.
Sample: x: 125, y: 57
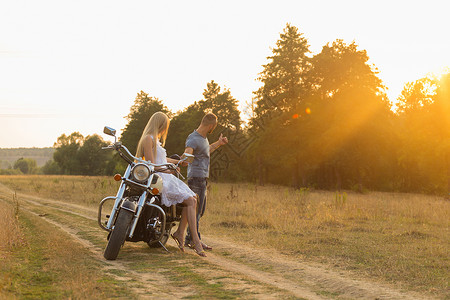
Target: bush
x: 51, y: 168
x: 10, y: 172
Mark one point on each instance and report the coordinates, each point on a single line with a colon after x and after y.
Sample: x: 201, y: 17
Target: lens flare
x: 308, y: 110
x: 295, y: 116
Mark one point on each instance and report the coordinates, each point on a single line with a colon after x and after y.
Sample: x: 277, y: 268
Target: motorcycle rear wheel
x: 118, y: 235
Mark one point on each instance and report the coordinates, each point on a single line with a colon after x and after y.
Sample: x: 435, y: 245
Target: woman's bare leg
x: 192, y: 221
x: 179, y: 233
x: 189, y: 216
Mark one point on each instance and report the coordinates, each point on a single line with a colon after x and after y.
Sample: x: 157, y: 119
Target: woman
x: 174, y: 190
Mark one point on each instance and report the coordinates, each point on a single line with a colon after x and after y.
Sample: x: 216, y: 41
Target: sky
x: 69, y: 66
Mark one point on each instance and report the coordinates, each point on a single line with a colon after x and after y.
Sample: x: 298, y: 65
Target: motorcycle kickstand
x: 163, y: 247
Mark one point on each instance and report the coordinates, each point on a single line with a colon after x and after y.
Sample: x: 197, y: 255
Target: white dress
x: 174, y: 190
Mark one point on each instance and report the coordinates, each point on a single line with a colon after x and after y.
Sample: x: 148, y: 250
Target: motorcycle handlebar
x: 118, y: 147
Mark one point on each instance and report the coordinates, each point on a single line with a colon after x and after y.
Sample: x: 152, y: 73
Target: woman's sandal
x: 179, y: 244
x: 200, y: 253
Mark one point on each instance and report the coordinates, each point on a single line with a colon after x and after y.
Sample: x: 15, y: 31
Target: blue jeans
x: 198, y: 186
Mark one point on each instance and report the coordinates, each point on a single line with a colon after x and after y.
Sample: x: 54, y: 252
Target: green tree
x: 441, y: 114
x: 181, y: 125
x: 66, y: 150
x: 284, y: 90
x: 225, y: 160
x: 92, y: 159
x: 423, y: 126
x: 417, y: 95
x: 51, y: 168
x: 25, y: 165
x: 222, y: 104
x: 283, y: 77
x: 325, y: 121
x: 140, y: 112
x: 215, y: 100
x: 76, y: 155
x: 349, y: 115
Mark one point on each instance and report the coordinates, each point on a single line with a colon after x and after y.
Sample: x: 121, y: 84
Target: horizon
x: 70, y: 67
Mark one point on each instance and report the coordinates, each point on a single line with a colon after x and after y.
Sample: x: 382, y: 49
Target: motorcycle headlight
x: 140, y: 173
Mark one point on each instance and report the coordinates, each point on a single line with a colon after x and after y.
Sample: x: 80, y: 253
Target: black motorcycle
x: 137, y: 213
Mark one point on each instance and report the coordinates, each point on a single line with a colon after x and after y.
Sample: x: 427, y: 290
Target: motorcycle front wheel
x: 118, y: 234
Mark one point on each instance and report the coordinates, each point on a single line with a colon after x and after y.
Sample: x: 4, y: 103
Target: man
x: 198, y: 171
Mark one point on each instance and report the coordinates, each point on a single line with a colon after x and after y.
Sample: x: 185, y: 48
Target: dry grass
x: 75, y: 189
x: 41, y: 262
x: 295, y: 211
x: 401, y: 238
x: 50, y: 265
x: 11, y: 235
x: 394, y: 237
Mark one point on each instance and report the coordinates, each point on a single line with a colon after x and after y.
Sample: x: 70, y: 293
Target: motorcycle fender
x: 128, y: 205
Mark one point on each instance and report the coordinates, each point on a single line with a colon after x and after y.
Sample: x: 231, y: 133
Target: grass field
x: 41, y: 263
x: 394, y: 237
x: 390, y: 237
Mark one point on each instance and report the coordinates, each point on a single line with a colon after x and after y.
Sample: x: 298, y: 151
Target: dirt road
x: 229, y: 271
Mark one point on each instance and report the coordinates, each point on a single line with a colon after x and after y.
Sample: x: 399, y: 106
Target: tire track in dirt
x: 266, y: 278
x: 315, y: 276
x: 148, y: 291
x: 304, y: 280
x: 252, y: 289
x: 225, y: 264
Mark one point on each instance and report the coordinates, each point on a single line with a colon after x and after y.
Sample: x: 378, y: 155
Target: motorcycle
x: 138, y: 214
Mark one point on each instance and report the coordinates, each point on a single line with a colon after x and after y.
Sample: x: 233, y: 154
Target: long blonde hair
x: 157, y: 127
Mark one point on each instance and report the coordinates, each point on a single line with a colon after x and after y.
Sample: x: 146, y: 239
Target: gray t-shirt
x: 200, y: 166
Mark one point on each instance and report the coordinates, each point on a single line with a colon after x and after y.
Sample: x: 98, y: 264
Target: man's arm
x: 214, y: 146
x: 188, y: 150
x: 220, y: 142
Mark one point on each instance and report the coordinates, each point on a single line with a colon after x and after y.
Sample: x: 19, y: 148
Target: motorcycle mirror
x: 189, y: 158
x: 109, y: 131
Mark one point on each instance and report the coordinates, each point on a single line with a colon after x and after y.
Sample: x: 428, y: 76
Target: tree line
x: 318, y: 120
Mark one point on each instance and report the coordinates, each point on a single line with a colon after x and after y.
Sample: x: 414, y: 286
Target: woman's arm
x: 148, y: 149
x: 172, y: 160
x: 176, y: 161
